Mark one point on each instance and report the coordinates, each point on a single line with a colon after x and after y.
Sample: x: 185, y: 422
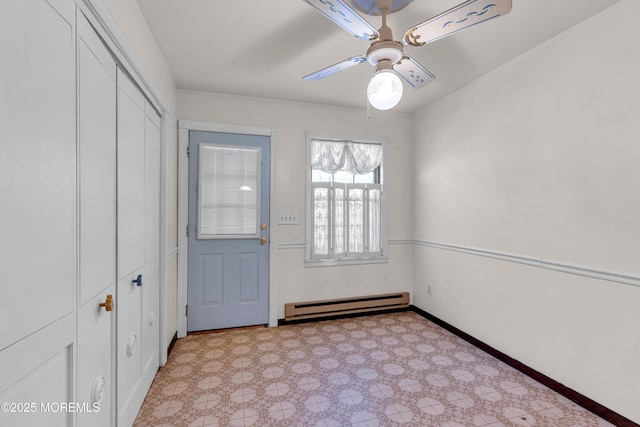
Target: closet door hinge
x: 186, y: 310
x: 187, y: 230
x: 189, y: 150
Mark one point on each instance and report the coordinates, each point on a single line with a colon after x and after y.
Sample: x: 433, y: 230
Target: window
x: 228, y: 191
x: 345, y: 221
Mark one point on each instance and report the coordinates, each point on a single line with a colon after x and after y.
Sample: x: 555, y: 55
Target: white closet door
x: 97, y: 219
x: 130, y: 177
x: 38, y: 205
x: 138, y: 248
x: 130, y: 116
x: 97, y: 162
x: 37, y: 166
x: 151, y: 287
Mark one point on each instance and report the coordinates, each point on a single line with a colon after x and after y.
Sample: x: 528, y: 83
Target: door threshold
x: 239, y: 328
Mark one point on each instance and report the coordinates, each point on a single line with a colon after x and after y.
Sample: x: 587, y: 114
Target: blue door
x: 228, y: 277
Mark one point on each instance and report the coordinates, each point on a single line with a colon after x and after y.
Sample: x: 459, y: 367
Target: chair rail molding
x: 611, y: 276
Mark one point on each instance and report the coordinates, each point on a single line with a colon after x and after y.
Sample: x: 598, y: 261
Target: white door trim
x: 184, y: 126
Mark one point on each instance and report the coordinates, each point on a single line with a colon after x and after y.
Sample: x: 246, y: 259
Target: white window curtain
x: 346, y: 220
x: 333, y: 156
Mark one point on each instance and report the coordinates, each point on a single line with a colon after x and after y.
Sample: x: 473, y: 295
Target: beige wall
x: 133, y: 26
x: 291, y: 120
x: 537, y: 163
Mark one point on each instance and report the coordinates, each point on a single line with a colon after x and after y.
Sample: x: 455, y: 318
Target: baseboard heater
x: 343, y: 306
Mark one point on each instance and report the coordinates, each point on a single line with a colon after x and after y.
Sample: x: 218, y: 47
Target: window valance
x: 333, y: 156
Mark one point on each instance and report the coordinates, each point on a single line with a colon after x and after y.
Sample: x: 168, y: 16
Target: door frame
x: 184, y: 126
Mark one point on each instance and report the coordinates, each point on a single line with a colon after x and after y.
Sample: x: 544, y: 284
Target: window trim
x: 382, y: 257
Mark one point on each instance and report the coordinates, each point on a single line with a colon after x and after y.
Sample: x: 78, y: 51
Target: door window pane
x: 228, y: 192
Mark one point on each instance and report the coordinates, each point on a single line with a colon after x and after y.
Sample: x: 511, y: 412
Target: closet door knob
x: 137, y: 280
x: 108, y: 304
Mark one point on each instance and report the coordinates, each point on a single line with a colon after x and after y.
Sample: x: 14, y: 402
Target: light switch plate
x: 288, y: 218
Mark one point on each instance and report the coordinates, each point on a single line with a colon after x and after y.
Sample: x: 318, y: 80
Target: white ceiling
x: 262, y: 48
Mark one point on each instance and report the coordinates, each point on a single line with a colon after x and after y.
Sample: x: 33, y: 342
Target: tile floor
x: 383, y: 370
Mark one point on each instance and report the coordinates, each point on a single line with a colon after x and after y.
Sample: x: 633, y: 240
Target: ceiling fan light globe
x: 384, y: 90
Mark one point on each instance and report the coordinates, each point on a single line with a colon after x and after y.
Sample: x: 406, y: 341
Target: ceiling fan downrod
x: 385, y: 49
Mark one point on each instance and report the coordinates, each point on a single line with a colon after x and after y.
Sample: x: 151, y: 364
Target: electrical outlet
x: 429, y: 289
x: 288, y: 218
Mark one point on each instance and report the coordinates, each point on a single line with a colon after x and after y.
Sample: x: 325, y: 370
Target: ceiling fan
x: 386, y: 54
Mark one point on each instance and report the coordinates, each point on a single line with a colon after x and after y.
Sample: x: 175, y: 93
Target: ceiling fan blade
x: 414, y: 74
x: 347, y: 63
x: 344, y: 16
x: 456, y: 19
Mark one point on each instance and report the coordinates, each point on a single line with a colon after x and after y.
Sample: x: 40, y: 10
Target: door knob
x: 108, y: 304
x: 263, y: 227
x: 263, y: 240
x: 138, y: 280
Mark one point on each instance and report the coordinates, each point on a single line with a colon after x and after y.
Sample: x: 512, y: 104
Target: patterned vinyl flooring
x: 395, y: 369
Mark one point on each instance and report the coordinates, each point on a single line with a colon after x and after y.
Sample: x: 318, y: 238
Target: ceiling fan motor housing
x: 386, y: 49
x: 374, y: 7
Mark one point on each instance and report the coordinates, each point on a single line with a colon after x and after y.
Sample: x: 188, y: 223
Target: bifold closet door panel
x: 97, y: 224
x: 37, y: 165
x: 132, y: 274
x: 129, y: 362
x: 96, y: 351
x: 97, y: 162
x: 38, y: 370
x: 130, y: 119
x: 151, y: 288
x: 152, y: 185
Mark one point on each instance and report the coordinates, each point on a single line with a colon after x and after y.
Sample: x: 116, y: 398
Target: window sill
x: 343, y: 261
